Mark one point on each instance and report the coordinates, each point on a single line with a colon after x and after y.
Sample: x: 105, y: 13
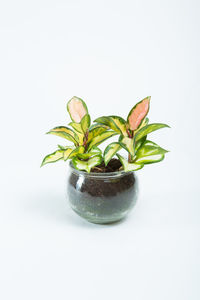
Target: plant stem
x: 96, y: 168
x: 129, y: 134
x: 85, y: 140
x: 129, y: 157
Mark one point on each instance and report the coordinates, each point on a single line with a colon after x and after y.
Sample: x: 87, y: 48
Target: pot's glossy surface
x: 101, y: 197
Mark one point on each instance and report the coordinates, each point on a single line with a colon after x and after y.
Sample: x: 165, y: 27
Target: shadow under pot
x: 101, y: 197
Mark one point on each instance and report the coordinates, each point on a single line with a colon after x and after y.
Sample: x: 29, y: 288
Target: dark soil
x: 107, y: 188
x: 114, y: 165
x: 99, y: 187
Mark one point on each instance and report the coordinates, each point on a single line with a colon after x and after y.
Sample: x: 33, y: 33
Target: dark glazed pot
x: 101, y: 197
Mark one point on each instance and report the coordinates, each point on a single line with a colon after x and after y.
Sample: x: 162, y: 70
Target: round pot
x: 101, y: 197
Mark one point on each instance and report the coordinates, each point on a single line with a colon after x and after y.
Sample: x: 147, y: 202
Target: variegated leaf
x: 148, y: 129
x: 76, y: 126
x: 108, y: 121
x: 140, y: 142
x: 66, y: 133
x: 62, y: 147
x: 110, y: 151
x: 93, y: 151
x: 86, y: 155
x: 101, y: 138
x: 67, y: 153
x: 120, y: 124
x: 77, y: 109
x: 144, y: 123
x: 53, y: 157
x: 95, y: 130
x: 78, y: 130
x: 87, y: 165
x: 77, y: 151
x: 85, y: 123
x: 98, y: 125
x: 138, y: 113
x: 128, y: 144
x: 96, y: 150
x: 149, y: 153
x: 150, y: 159
x: 129, y: 166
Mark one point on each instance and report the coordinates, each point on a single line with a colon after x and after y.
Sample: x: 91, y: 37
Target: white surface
x: 112, y: 54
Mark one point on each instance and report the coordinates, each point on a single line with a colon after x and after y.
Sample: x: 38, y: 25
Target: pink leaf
x: 77, y: 109
x: 138, y: 113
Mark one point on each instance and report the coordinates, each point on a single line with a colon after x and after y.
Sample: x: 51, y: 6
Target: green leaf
x: 148, y: 129
x: 65, y: 132
x: 101, y: 138
x: 77, y: 109
x: 108, y: 121
x: 53, y: 157
x: 85, y: 123
x: 128, y: 144
x: 149, y: 153
x: 138, y: 113
x: 110, y: 151
x: 129, y: 166
x: 95, y: 130
x: 87, y: 165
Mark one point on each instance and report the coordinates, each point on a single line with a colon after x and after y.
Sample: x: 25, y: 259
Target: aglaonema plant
x: 133, y: 138
x: 85, y: 138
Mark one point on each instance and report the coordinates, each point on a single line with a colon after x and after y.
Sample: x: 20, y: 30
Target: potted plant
x: 101, y: 188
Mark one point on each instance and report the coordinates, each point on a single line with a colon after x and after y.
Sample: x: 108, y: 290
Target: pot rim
x: 101, y: 175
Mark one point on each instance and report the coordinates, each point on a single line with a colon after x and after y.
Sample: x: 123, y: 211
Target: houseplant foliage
x: 106, y: 195
x: 84, y: 138
x: 133, y: 138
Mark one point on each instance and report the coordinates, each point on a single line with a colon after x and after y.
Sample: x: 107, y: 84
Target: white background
x: 112, y: 54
